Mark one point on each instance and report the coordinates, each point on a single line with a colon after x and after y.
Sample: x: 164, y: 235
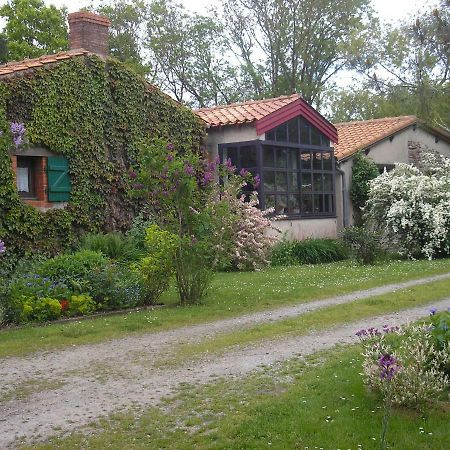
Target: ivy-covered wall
x: 96, y: 114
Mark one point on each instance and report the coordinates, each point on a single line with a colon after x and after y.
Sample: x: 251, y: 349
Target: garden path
x: 67, y: 389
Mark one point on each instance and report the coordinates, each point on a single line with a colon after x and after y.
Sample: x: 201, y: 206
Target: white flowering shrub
x: 411, y: 207
x: 418, y: 363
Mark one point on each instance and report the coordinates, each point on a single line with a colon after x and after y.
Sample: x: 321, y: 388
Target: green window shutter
x: 59, y: 186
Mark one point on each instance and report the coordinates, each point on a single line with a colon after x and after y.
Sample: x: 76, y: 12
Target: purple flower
x: 188, y: 170
x: 389, y: 367
x: 244, y: 172
x: 257, y: 181
x: 169, y: 158
x: 2, y: 247
x: 138, y: 186
x: 17, y: 128
x: 133, y: 175
x: 229, y: 165
x: 169, y: 147
x: 217, y: 160
x: 207, y: 178
x: 433, y: 311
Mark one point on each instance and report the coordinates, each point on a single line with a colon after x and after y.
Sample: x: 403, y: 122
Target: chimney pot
x: 89, y: 31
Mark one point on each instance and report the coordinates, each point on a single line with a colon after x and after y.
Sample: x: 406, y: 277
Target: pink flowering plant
x: 196, y: 199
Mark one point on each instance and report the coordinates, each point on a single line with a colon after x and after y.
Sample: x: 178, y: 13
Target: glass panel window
x: 307, y: 204
x: 306, y: 160
x: 281, y: 133
x: 269, y: 156
x: 328, y: 182
x: 328, y: 203
x: 317, y: 182
x: 270, y: 201
x: 293, y: 158
x: 317, y: 161
x: 305, y: 137
x: 281, y: 207
x: 326, y: 157
x: 293, y: 131
x: 318, y: 203
x: 281, y: 158
x: 293, y: 181
x: 23, y: 179
x: 25, y: 175
x: 293, y: 204
x: 315, y: 136
x: 269, y: 180
x: 306, y: 182
x: 248, y: 157
x: 231, y: 153
x: 281, y: 181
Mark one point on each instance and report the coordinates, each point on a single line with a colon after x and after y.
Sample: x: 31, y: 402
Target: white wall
x: 305, y: 228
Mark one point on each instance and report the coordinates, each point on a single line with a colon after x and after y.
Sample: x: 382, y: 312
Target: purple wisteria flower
x: 2, y: 247
x: 389, y: 367
x: 18, y: 132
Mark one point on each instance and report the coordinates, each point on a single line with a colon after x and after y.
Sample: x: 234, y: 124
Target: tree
x: 127, y: 32
x: 287, y: 46
x: 190, y: 53
x: 33, y: 29
x: 408, y: 68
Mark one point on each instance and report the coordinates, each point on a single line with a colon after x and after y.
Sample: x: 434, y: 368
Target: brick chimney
x: 89, y: 31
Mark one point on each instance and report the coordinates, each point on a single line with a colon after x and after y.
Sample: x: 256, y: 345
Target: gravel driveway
x: 70, y: 388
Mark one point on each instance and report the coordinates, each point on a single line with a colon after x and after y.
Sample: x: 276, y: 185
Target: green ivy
x: 97, y: 114
x: 364, y: 169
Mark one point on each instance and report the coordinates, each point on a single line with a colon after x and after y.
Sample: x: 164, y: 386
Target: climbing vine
x: 97, y: 114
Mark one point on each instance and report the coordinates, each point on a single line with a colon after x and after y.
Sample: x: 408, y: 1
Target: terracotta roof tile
x: 358, y: 135
x: 19, y: 66
x: 239, y: 113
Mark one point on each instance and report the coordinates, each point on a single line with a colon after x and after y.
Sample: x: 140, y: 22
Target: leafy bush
x: 440, y: 331
x: 136, y: 234
x: 418, y: 372
x: 82, y: 304
x: 410, y: 206
x: 22, y: 309
x: 309, y: 251
x: 113, y: 245
x: 72, y: 269
x: 363, y: 245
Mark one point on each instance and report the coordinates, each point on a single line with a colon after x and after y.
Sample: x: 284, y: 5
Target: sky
x: 388, y: 10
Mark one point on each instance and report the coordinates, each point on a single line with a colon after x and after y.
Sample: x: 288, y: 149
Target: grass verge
x: 319, y: 402
x: 313, y: 321
x: 231, y: 294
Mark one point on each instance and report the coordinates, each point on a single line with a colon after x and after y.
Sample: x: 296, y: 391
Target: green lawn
x: 424, y: 294
x: 319, y: 404
x: 231, y: 294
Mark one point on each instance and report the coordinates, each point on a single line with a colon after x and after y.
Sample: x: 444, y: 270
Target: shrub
x: 309, y: 251
x: 24, y: 309
x: 82, y: 304
x: 440, y: 331
x: 113, y: 245
x: 419, y: 376
x: 411, y: 207
x: 72, y: 269
x: 363, y: 245
x: 136, y: 234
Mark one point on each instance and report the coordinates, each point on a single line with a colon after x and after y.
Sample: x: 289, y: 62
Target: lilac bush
x: 409, y: 353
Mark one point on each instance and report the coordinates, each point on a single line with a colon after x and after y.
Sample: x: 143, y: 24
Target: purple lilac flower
x: 217, y: 160
x: 389, y: 367
x: 133, y: 175
x: 433, y: 311
x: 207, y: 178
x: 229, y: 165
x: 188, y: 170
x: 257, y: 181
x: 244, y: 172
x: 2, y: 247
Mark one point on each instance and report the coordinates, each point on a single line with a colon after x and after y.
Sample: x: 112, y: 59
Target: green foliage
x: 24, y: 309
x: 309, y: 251
x: 33, y: 29
x: 82, y: 304
x: 363, y: 245
x: 158, y: 267
x: 138, y: 230
x: 364, y: 169
x: 441, y: 328
x: 97, y: 114
x: 114, y: 245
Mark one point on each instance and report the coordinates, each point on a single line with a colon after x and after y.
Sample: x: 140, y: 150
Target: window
x: 26, y: 176
x: 296, y: 166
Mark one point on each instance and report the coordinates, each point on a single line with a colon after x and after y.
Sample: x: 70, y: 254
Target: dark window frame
x: 262, y: 192
x: 31, y: 163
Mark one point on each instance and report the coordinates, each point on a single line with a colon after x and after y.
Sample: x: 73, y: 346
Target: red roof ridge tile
x: 249, y: 102
x: 380, y: 119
